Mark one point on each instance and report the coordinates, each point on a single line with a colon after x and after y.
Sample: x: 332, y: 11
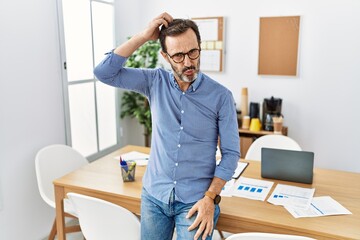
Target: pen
x: 123, y: 164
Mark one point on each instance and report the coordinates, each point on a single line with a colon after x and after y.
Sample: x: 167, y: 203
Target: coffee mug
x: 255, y: 124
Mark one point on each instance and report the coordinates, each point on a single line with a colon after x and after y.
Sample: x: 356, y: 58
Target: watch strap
x: 210, y: 194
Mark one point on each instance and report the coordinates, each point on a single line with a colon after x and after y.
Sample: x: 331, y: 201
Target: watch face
x: 217, y: 199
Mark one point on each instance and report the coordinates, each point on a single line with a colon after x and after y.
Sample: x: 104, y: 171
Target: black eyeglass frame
x: 183, y: 55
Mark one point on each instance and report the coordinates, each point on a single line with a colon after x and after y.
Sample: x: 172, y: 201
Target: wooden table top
x: 102, y: 179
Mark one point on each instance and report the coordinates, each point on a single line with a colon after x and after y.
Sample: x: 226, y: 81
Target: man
x: 190, y: 111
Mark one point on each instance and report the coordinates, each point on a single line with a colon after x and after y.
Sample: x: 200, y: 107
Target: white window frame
x: 66, y: 85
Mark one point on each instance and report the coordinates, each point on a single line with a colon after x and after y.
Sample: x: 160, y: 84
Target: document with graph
x: 252, y: 188
x: 292, y: 196
x: 320, y: 206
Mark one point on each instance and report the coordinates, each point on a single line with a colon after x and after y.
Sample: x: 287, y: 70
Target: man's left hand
x: 204, y: 220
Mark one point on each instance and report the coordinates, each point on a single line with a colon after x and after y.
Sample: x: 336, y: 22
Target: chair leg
x: 53, y: 231
x: 71, y: 229
x: 68, y: 229
x: 221, y: 235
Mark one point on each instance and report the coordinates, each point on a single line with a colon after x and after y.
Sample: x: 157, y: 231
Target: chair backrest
x: 266, y: 236
x: 100, y: 219
x: 270, y: 141
x: 53, y: 162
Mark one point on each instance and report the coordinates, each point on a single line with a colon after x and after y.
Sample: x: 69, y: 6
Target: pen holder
x: 128, y: 171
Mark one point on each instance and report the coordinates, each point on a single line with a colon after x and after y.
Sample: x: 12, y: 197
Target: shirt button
x: 182, y: 111
x: 174, y: 182
x: 183, y: 93
x: 181, y: 127
x: 176, y: 164
x: 179, y: 145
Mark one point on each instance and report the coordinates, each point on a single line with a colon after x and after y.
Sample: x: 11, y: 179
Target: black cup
x: 254, y: 110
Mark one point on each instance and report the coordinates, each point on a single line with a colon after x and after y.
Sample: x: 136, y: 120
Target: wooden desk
x: 102, y: 179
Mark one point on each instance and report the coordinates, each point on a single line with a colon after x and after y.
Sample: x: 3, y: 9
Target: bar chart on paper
x: 252, y: 188
x: 288, y: 195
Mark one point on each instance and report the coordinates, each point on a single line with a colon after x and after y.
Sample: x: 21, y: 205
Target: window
x: 86, y: 33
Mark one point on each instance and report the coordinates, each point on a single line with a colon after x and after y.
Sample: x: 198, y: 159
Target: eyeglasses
x: 179, y: 57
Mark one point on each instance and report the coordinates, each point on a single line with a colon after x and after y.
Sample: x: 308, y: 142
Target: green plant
x: 145, y: 56
x: 134, y: 104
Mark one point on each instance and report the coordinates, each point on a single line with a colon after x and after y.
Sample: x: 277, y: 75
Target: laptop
x: 288, y: 165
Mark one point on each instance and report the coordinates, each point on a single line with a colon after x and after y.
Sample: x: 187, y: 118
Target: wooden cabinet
x: 247, y: 137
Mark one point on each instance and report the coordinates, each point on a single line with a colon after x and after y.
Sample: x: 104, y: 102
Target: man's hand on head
x: 152, y: 31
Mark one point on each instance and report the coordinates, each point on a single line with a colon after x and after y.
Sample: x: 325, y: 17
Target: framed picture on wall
x: 212, y: 43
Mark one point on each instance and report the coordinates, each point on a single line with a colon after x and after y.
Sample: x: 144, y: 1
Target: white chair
x: 53, y: 162
x: 266, y: 236
x: 103, y: 220
x: 270, y: 141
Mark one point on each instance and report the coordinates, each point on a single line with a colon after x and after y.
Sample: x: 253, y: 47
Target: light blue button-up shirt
x: 185, y: 129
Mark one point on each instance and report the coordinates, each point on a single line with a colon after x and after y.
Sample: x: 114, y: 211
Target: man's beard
x: 182, y: 76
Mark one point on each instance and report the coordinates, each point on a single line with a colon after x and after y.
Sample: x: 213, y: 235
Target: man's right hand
x: 152, y: 31
x: 149, y: 33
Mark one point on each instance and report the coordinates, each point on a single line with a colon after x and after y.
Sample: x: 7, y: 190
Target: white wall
x: 319, y: 104
x: 31, y: 112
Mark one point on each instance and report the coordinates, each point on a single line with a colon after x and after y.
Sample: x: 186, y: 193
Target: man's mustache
x: 188, y: 68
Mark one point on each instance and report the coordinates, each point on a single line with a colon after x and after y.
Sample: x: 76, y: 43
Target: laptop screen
x: 288, y: 165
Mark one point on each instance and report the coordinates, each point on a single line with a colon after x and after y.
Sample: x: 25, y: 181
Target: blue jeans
x: 158, y: 219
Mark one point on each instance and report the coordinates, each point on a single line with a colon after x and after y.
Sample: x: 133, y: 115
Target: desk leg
x: 60, y: 217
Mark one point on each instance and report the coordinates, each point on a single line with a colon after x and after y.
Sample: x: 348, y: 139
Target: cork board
x: 278, y: 45
x: 212, y: 42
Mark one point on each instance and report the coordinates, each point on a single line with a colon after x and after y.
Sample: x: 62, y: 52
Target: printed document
x: 228, y: 188
x: 320, y: 206
x: 252, y: 188
x: 141, y: 159
x: 292, y: 196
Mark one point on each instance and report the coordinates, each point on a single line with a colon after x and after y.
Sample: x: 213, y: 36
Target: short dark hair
x: 177, y: 27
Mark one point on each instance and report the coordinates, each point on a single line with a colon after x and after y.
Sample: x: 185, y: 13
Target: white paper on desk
x: 141, y: 159
x: 252, y: 188
x: 228, y: 188
x: 287, y: 195
x: 320, y: 206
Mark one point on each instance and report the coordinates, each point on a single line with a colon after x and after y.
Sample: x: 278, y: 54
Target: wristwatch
x: 213, y: 196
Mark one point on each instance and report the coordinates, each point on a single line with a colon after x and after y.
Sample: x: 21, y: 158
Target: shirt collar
x: 194, y: 86
x: 197, y: 82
